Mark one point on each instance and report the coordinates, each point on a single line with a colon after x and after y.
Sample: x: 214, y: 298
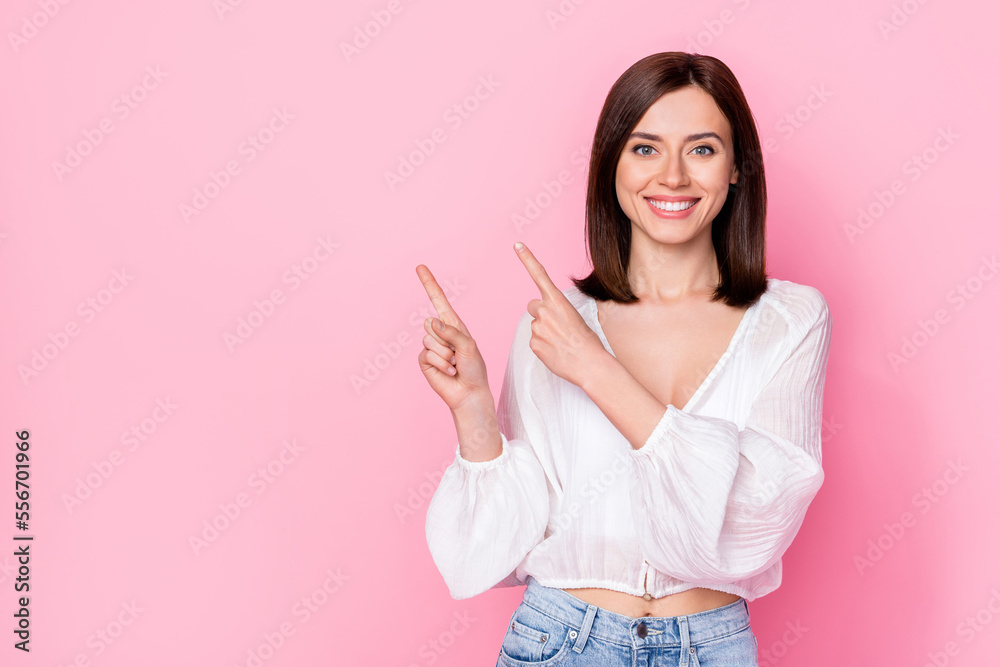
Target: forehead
x: 684, y: 111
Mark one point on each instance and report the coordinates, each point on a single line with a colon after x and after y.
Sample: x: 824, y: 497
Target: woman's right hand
x: 450, y: 360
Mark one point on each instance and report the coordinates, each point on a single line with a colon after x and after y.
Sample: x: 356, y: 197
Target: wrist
x: 477, y: 404
x: 478, y: 429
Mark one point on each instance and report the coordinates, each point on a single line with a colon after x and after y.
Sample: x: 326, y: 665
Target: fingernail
x: 439, y: 325
x: 518, y: 245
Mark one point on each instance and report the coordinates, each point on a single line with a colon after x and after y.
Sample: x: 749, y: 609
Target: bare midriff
x: 691, y: 601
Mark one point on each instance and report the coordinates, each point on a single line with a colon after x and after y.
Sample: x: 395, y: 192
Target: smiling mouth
x: 672, y: 205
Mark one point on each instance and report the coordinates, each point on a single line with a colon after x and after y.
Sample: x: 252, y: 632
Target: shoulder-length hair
x: 738, y: 229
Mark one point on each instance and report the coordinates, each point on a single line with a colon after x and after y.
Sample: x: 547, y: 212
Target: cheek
x: 715, y: 178
x: 630, y: 179
x: 624, y: 201
x: 623, y: 187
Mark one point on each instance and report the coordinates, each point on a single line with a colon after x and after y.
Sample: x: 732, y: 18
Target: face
x: 674, y: 172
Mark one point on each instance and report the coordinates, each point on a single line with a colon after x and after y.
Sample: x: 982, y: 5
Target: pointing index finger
x: 536, y: 271
x: 440, y: 302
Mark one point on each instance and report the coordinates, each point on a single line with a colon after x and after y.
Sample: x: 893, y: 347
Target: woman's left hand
x: 560, y: 338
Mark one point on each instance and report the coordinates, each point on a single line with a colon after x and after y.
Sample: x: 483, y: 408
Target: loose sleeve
x: 486, y: 516
x: 716, y: 504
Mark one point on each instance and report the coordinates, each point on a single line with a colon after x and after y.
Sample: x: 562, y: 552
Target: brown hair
x: 738, y: 229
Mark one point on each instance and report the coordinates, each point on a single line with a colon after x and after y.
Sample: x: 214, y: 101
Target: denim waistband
x: 593, y: 621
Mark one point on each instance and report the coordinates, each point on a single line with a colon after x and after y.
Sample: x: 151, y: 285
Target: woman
x: 657, y: 440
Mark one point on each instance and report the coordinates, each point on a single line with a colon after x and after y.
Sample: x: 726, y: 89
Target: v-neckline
x: 716, y: 369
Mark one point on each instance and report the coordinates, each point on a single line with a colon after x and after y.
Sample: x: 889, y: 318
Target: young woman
x: 657, y: 440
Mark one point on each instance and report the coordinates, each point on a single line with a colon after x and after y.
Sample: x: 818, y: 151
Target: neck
x: 665, y: 273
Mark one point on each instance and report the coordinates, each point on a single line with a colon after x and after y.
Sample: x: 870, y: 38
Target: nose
x: 672, y: 173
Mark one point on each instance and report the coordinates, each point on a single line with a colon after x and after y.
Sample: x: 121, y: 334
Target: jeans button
x: 641, y: 630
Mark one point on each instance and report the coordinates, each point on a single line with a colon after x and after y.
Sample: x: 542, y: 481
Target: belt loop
x: 682, y: 623
x: 588, y: 621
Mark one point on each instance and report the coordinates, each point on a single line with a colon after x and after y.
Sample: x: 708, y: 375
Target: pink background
x: 130, y: 305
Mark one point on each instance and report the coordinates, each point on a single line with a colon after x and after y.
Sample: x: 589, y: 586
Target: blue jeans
x: 552, y: 627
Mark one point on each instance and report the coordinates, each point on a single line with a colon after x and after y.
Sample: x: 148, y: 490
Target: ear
x: 734, y: 179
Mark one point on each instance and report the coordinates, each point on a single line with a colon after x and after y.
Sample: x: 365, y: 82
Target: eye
x: 709, y: 150
x: 639, y: 149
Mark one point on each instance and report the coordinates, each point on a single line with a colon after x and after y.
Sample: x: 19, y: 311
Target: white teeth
x: 673, y: 205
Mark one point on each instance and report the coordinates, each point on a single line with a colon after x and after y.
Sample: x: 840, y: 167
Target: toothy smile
x: 672, y: 205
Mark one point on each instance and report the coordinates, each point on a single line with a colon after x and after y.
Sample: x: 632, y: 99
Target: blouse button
x: 641, y: 630
x: 647, y: 597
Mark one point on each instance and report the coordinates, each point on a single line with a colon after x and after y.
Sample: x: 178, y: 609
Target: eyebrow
x: 690, y: 137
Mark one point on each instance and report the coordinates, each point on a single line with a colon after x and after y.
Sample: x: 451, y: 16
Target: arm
x: 624, y: 400
x: 715, y: 503
x: 486, y: 515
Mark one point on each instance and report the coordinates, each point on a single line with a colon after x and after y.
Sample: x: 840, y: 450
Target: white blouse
x: 712, y: 499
